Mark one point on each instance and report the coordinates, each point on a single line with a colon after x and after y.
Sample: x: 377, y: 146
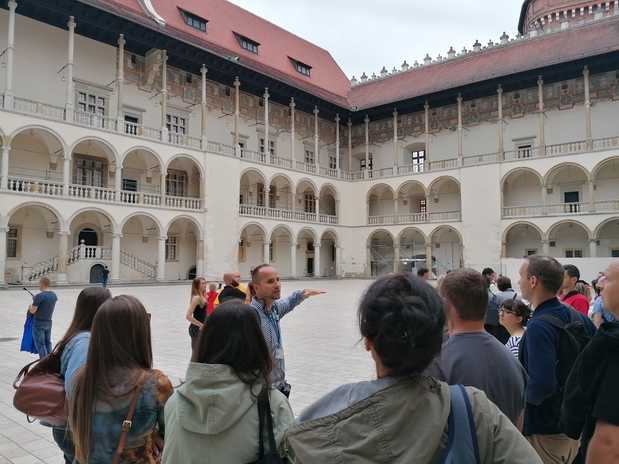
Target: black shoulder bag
x: 265, y: 420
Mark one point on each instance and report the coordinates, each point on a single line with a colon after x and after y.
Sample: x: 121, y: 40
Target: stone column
x: 429, y: 256
x: 368, y: 256
x: 63, y: 255
x: 396, y: 208
x: 199, y: 257
x: 118, y: 181
x: 316, y: 143
x: 161, y: 258
x: 317, y: 207
x: 266, y: 254
x: 544, y: 199
x: 593, y: 248
x: 237, y: 114
x: 350, y: 145
x: 267, y: 151
x: 337, y: 144
x: 545, y: 247
x: 460, y: 152
x: 70, y: 92
x: 317, y: 270
x: 3, y: 231
x: 588, y: 129
x: 10, y: 50
x: 591, y: 196
x: 162, y: 187
x: 338, y: 261
x: 395, y: 141
x: 203, y: 107
x: 503, y: 249
x: 500, y: 124
x: 164, y: 95
x: 120, y: 83
x: 396, y: 255
x: 541, y: 116
x: 292, y: 133
x: 426, y: 118
x: 4, y: 166
x: 116, y: 257
x: 293, y: 259
x: 66, y: 175
x: 366, y: 121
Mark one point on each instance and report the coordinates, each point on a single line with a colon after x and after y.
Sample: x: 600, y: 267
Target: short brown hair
x: 44, y: 281
x: 467, y: 291
x: 548, y: 271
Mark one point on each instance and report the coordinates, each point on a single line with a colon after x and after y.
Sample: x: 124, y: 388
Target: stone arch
x: 380, y: 252
x: 518, y: 247
x: 443, y: 179
x: 3, y: 138
x: 258, y: 225
x: 187, y: 217
x: 596, y: 170
x: 601, y: 225
x: 53, y: 210
x: 190, y: 157
x: 150, y: 151
x: 310, y: 182
x: 49, y: 131
x: 513, y: 225
x: 328, y: 186
x: 410, y: 182
x: 379, y: 231
x: 607, y: 237
x: 92, y: 138
x: 379, y: 186
x: 333, y: 233
x: 521, y: 169
x: 557, y: 168
x: 310, y: 231
x: 558, y: 224
x: 94, y: 209
x: 285, y: 227
x: 412, y: 229
x: 445, y: 227
x: 275, y: 176
x: 256, y: 171
x: 137, y: 214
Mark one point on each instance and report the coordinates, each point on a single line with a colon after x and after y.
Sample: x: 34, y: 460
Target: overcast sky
x: 364, y: 36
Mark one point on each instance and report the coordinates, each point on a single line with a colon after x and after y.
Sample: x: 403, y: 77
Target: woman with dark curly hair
x: 513, y: 315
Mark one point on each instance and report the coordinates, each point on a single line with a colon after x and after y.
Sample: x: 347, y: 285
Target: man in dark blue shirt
x: 541, y: 278
x: 42, y: 307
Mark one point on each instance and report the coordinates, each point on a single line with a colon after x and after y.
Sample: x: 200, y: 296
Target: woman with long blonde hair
x: 197, y: 310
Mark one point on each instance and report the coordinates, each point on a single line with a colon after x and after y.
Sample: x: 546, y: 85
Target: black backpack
x: 573, y: 338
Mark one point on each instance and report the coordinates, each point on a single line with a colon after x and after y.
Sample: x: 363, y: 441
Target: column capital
x: 499, y: 89
x: 337, y: 118
x: 292, y: 103
x: 585, y: 71
x: 12, y: 5
x: 266, y: 93
x: 121, y: 40
x: 237, y: 82
x: 349, y: 123
x: 540, y: 80
x: 71, y: 23
x: 64, y: 232
x: 316, y: 110
x: 203, y: 70
x: 163, y: 238
x: 366, y: 120
x: 459, y: 99
x: 117, y: 235
x: 395, y: 113
x: 426, y: 106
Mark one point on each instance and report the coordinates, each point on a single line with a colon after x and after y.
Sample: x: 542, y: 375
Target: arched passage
x: 567, y: 189
x: 142, y: 172
x: 184, y: 183
x: 444, y: 200
x: 412, y: 256
x: 607, y: 235
x: 252, y: 188
x: 33, y: 243
x: 252, y: 250
x: 281, y: 193
x: 569, y: 239
x: 184, y: 250
x: 447, y: 249
x: 139, y: 247
x: 280, y: 248
x: 380, y: 200
x: 411, y: 202
x: 522, y: 193
x: 307, y: 256
x: 328, y: 201
x: 380, y: 253
x: 605, y: 181
x: 306, y: 197
x: 522, y: 239
x: 328, y: 254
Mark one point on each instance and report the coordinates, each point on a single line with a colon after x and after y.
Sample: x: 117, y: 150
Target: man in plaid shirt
x: 266, y: 288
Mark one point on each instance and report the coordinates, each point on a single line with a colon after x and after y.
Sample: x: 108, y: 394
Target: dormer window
x: 248, y: 44
x: 194, y: 21
x: 301, y: 68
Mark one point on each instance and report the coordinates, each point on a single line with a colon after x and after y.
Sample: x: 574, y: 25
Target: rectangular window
x: 176, y: 183
x: 130, y: 185
x: 309, y: 157
x: 362, y: 163
x: 242, y: 251
x: 171, y: 249
x: 12, y: 239
x: 271, y: 252
x: 303, y: 69
x: 310, y: 202
x: 271, y: 147
x: 89, y: 171
x: 176, y: 124
x: 248, y: 44
x: 131, y: 124
x: 423, y: 206
x: 573, y: 253
x: 332, y: 162
x: 530, y: 252
x: 525, y: 151
x: 260, y: 194
x: 614, y: 253
x: 194, y: 21
x: 418, y: 160
x: 91, y: 109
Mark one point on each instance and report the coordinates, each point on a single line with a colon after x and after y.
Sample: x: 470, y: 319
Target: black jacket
x: 591, y: 389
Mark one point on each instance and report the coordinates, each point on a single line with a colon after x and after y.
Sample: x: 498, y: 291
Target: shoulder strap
x: 554, y: 320
x: 462, y: 446
x: 261, y: 418
x: 269, y: 417
x: 128, y: 422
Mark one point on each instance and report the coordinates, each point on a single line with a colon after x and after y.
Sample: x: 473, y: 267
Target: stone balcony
x: 415, y: 218
x: 562, y: 209
x: 286, y: 215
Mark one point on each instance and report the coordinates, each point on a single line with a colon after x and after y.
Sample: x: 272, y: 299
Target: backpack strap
x: 128, y: 422
x: 462, y: 446
x: 554, y: 320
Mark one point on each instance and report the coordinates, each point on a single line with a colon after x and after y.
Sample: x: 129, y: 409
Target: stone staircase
x: 145, y: 268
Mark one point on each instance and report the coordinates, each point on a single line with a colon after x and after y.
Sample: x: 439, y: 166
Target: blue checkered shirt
x: 269, y: 323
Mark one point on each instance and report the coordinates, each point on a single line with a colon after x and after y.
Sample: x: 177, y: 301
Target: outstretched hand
x: 308, y: 292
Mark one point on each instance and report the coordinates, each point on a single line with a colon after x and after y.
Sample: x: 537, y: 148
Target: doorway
x: 96, y: 274
x: 572, y: 201
x: 89, y: 236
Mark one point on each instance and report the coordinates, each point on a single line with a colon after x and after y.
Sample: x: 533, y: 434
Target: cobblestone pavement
x: 320, y: 337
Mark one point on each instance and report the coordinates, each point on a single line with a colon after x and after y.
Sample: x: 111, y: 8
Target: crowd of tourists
x: 470, y: 372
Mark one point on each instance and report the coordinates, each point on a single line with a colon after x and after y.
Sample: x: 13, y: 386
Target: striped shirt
x: 513, y: 344
x: 269, y: 323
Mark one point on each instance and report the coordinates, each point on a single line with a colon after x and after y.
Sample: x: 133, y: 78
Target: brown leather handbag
x: 39, y: 391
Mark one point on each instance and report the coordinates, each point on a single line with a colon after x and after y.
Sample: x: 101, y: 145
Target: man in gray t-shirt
x: 471, y: 356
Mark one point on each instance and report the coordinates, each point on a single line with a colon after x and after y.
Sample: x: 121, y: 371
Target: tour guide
x: 266, y: 301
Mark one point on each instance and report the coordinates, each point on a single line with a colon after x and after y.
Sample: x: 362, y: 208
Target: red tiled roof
x: 277, y: 45
x: 596, y: 38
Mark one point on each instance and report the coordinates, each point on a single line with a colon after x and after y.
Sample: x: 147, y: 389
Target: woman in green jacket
x: 213, y: 416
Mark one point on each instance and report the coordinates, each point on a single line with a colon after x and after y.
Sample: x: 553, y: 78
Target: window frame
x: 418, y: 160
x: 248, y: 44
x: 179, y: 177
x: 171, y: 248
x: 573, y: 252
x: 16, y: 238
x: 194, y: 21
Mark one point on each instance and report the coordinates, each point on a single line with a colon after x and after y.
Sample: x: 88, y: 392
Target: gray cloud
x: 364, y: 36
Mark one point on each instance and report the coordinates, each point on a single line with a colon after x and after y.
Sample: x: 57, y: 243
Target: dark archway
x: 96, y: 274
x: 89, y: 236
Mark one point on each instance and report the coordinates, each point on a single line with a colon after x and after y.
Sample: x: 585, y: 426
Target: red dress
x: 210, y: 298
